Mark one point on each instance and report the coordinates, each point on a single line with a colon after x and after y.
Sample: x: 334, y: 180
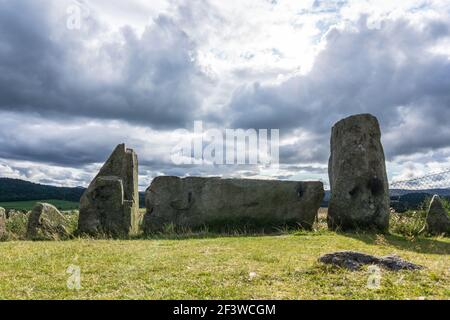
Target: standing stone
x: 110, y: 205
x: 358, y: 179
x: 230, y: 204
x: 2, y: 224
x: 46, y: 223
x: 438, y: 221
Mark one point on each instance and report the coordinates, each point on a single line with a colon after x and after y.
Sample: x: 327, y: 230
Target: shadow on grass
x: 418, y: 244
x: 204, y: 235
x: 224, y: 229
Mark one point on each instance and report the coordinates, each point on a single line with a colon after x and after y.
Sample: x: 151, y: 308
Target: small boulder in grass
x: 355, y: 260
x: 2, y: 224
x: 47, y: 223
x: 438, y: 220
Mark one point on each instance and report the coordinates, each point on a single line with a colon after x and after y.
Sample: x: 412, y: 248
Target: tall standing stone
x: 358, y: 179
x: 438, y: 220
x: 2, y: 224
x: 110, y: 205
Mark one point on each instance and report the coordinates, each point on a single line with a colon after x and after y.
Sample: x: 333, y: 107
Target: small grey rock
x: 355, y: 260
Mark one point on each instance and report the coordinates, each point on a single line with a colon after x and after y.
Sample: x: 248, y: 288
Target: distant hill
x: 20, y: 190
x: 416, y: 199
x: 440, y: 192
x: 12, y: 190
x: 403, y: 200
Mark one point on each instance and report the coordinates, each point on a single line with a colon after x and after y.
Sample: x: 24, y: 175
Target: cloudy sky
x: 135, y: 71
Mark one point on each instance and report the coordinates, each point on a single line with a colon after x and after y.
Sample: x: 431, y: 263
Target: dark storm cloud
x: 64, y: 143
x: 71, y: 152
x: 310, y: 149
x: 51, y: 70
x: 388, y: 71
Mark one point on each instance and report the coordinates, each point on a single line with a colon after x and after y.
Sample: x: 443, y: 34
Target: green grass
x: 205, y: 265
x: 286, y: 267
x: 28, y: 205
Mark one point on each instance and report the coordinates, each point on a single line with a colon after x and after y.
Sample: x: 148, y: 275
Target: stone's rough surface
x: 230, y: 204
x: 2, y: 224
x: 438, y: 221
x: 358, y: 179
x: 46, y: 223
x: 110, y: 205
x: 355, y: 260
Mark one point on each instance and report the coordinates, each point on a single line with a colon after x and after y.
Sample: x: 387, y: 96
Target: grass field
x: 28, y: 205
x: 286, y: 267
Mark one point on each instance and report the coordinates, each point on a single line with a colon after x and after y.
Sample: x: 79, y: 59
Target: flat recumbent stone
x: 231, y: 204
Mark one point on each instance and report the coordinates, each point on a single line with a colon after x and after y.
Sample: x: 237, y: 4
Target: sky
x: 79, y: 77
